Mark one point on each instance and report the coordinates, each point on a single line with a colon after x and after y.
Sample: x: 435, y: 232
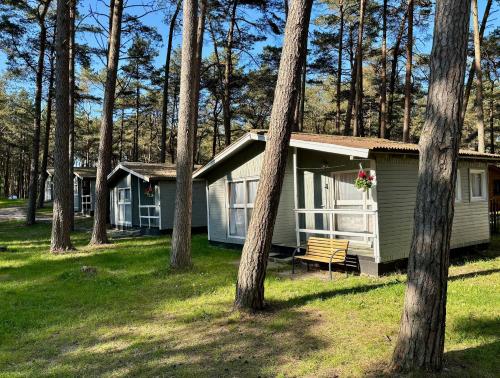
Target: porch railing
x: 367, y: 233
x: 151, y: 217
x: 86, y: 203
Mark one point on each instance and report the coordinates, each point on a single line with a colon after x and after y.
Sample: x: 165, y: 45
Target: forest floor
x: 133, y: 316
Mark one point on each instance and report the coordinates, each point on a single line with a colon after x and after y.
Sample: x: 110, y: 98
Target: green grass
x: 5, y: 202
x: 136, y: 317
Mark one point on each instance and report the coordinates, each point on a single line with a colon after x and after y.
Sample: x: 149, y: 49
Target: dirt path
x: 19, y: 213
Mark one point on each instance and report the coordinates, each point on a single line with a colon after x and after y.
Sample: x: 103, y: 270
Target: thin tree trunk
x: 135, y: 154
x: 409, y: 56
x: 122, y: 130
x: 61, y: 223
x: 352, y: 91
x: 33, y: 182
x: 99, y: 235
x: 216, y: 127
x: 492, y: 115
x: 420, y: 342
x: 470, y: 77
x: 298, y: 124
x: 394, y: 72
x: 6, y: 181
x: 339, y: 65
x: 383, y: 84
x: 199, y: 50
x: 479, y: 77
x: 72, y: 51
x: 228, y: 71
x: 358, y: 129
x: 48, y: 121
x: 252, y: 271
x: 181, y: 235
x: 164, y: 114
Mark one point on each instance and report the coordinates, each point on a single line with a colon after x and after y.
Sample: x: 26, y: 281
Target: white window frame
x: 458, y: 187
x: 123, y: 203
x: 484, y: 188
x: 244, y: 205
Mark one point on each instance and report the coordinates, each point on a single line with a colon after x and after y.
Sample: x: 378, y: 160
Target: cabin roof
x: 147, y: 171
x: 361, y: 147
x: 80, y: 172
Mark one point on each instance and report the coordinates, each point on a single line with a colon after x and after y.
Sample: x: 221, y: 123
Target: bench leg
x: 293, y: 265
x: 330, y: 271
x: 307, y: 266
x: 345, y: 268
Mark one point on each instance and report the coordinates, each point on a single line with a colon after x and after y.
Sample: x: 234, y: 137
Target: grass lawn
x: 5, y: 202
x: 136, y: 317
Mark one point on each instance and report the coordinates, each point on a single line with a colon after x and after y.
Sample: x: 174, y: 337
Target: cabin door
x: 124, y: 216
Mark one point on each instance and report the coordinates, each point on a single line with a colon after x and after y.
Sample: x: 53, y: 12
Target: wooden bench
x: 330, y: 251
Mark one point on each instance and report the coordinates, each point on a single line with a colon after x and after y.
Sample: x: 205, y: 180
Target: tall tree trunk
x: 61, y: 223
x: 199, y: 51
x: 72, y: 52
x: 409, y: 56
x: 6, y: 180
x: 181, y: 235
x: 99, y: 235
x: 298, y: 124
x: 383, y: 84
x: 394, y: 73
x: 252, y: 271
x: 479, y: 77
x: 35, y: 152
x: 122, y: 131
x: 492, y: 115
x: 216, y: 127
x: 470, y: 77
x: 352, y: 91
x: 358, y: 129
x: 228, y: 72
x: 339, y: 65
x: 420, y: 342
x: 48, y: 121
x: 164, y: 114
x: 135, y: 153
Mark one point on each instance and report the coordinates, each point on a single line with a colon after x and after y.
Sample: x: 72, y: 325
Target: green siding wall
x: 396, y: 191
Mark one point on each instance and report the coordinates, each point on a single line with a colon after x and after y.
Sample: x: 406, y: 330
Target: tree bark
x: 339, y: 65
x: 6, y: 181
x: 358, y: 129
x: 199, y: 51
x: 181, y: 235
x: 383, y: 84
x: 470, y: 77
x: 164, y: 114
x: 352, y: 91
x: 135, y: 152
x: 45, y: 156
x: 72, y: 51
x: 479, y: 77
x: 409, y: 56
x: 228, y: 71
x: 99, y: 235
x: 252, y: 270
x: 420, y: 342
x: 61, y: 223
x: 33, y: 182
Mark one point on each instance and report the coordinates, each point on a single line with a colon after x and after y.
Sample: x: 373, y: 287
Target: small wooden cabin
x: 83, y: 189
x: 494, y: 184
x: 319, y: 197
x: 142, y: 195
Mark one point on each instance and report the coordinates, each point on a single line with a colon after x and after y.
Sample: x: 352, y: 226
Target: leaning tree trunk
x: 383, y: 77
x: 61, y: 223
x: 339, y: 66
x: 252, y: 271
x: 164, y: 114
x: 358, y: 129
x: 48, y: 120
x: 409, y: 56
x: 99, y: 235
x: 420, y: 342
x: 199, y: 51
x: 181, y: 235
x: 479, y: 77
x: 72, y: 52
x: 228, y: 72
x: 35, y: 152
x: 470, y: 77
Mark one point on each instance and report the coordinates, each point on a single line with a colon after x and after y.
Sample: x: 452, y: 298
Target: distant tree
x: 61, y: 223
x: 99, y: 235
x: 409, y: 64
x: 479, y: 79
x: 252, y: 271
x: 420, y: 342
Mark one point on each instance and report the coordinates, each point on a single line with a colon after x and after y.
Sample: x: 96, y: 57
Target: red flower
x: 370, y: 178
x: 362, y: 175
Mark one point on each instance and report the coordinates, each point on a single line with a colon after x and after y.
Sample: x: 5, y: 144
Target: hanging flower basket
x: 149, y: 191
x: 364, y: 181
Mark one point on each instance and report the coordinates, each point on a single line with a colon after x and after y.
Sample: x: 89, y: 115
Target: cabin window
x: 458, y: 188
x: 496, y: 187
x: 76, y: 195
x: 241, y: 198
x: 477, y: 185
x: 124, y: 207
